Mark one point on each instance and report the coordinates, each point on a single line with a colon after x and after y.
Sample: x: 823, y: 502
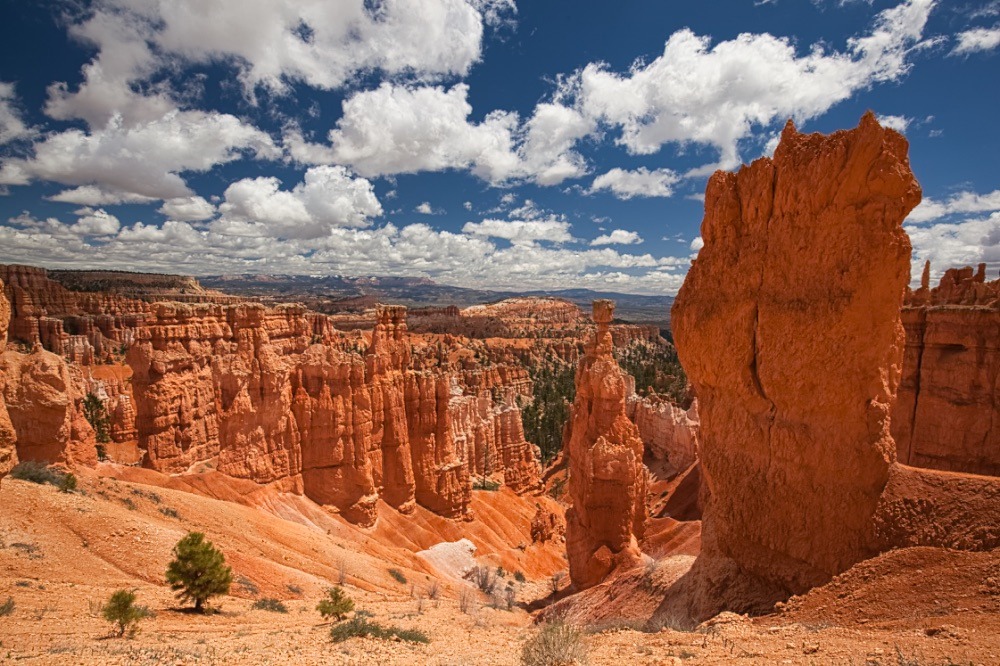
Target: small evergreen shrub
x: 67, y: 484
x: 336, y: 605
x: 398, y: 575
x: 123, y: 613
x: 97, y: 416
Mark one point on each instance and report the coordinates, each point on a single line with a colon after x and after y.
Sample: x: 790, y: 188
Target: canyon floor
x: 62, y: 555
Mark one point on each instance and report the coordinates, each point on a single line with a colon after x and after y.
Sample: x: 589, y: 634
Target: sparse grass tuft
x: 555, y: 645
x: 360, y: 627
x: 7, y: 607
x: 269, y: 604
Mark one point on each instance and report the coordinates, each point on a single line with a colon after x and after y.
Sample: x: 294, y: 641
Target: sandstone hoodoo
x: 788, y: 327
x: 8, y: 452
x: 607, y: 480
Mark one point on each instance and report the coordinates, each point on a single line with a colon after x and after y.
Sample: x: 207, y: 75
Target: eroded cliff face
x: 45, y: 404
x: 607, y: 480
x: 668, y: 431
x: 944, y: 417
x: 8, y: 450
x: 260, y: 394
x: 788, y: 327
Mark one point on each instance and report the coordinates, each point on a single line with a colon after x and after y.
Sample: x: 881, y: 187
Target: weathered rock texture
x: 8, y: 450
x: 788, y: 327
x: 274, y: 395
x: 607, y: 480
x: 668, y: 431
x: 264, y: 394
x: 88, y: 316
x: 945, y: 416
x: 45, y: 403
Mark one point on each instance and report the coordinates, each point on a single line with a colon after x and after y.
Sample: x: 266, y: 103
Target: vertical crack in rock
x: 794, y: 301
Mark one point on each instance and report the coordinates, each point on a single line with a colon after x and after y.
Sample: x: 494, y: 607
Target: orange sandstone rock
x: 8, y: 450
x: 44, y: 401
x: 944, y: 417
x: 788, y: 327
x: 607, y: 480
x: 668, y: 431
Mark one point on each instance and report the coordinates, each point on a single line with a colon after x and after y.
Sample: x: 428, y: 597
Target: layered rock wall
x: 8, y: 449
x: 668, y: 431
x: 607, y: 480
x: 945, y: 414
x: 257, y: 393
x: 45, y: 403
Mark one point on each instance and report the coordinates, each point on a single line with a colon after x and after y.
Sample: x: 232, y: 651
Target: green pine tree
x: 198, y: 570
x: 336, y: 605
x: 122, y: 611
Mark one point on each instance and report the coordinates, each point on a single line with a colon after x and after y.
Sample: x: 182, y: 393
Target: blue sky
x: 487, y: 143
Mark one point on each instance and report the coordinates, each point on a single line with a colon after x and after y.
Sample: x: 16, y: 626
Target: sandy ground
x: 62, y: 555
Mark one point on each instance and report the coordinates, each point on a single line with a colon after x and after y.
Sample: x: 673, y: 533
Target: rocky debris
x: 943, y: 417
x: 788, y: 327
x: 8, y: 449
x: 607, y: 480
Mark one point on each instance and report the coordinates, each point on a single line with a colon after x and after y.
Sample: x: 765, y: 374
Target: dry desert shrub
x: 556, y: 644
x: 485, y: 578
x: 7, y: 607
x: 270, y: 604
x: 467, y: 602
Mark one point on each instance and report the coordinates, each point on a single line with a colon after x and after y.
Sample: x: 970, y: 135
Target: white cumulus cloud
x: 327, y: 197
x: 641, y: 182
x: 144, y: 160
x: 697, y: 92
x: 521, y: 231
x: 618, y: 237
x: 187, y: 209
